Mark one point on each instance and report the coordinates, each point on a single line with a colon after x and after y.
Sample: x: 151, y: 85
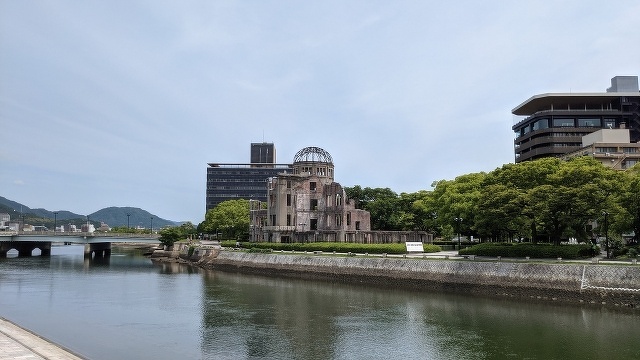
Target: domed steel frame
x: 312, y: 154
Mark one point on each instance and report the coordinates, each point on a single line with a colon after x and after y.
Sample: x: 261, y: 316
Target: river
x: 130, y: 308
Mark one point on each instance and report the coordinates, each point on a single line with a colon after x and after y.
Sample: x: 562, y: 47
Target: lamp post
x: 152, y: 224
x: 55, y: 221
x: 128, y: 227
x: 606, y: 232
x: 458, y: 221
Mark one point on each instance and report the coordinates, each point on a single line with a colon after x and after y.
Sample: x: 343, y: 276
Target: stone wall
x: 609, y: 285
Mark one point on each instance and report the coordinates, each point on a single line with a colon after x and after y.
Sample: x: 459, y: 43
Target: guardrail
x: 70, y: 233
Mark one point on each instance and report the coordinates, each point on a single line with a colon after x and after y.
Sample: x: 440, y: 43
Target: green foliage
x: 230, y: 217
x: 168, y: 236
x: 382, y: 204
x: 540, y: 251
x: 331, y: 246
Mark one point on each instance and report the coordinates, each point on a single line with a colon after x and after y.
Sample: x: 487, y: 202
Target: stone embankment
x: 595, y: 284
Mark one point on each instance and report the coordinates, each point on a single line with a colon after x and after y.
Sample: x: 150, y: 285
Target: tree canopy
x: 543, y: 200
x: 231, y: 218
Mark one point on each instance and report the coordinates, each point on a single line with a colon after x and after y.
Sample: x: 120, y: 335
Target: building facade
x: 612, y: 147
x: 228, y: 181
x: 554, y: 124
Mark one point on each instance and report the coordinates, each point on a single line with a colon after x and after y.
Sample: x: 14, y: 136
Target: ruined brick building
x: 307, y: 205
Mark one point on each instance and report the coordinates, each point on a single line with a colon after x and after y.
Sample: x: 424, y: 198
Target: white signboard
x: 414, y: 246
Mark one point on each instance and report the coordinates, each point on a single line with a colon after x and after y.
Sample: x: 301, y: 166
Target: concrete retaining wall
x: 611, y: 285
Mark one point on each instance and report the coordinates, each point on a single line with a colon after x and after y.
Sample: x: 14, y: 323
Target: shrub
x: 337, y: 247
x: 542, y: 251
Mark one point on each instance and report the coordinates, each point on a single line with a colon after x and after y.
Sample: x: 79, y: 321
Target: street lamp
x: 458, y: 221
x: 152, y: 224
x: 55, y: 220
x: 606, y: 232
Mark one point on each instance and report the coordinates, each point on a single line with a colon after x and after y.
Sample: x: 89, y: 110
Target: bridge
x: 96, y: 244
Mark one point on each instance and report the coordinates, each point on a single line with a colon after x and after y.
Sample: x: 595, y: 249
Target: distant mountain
x: 17, y: 209
x: 117, y: 216
x: 113, y: 216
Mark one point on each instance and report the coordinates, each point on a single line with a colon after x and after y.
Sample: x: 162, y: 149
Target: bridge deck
x: 78, y: 238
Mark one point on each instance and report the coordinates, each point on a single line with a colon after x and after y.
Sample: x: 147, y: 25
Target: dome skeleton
x: 312, y: 154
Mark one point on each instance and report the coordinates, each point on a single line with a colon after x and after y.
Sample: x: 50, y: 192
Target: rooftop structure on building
x: 552, y: 125
x: 233, y: 181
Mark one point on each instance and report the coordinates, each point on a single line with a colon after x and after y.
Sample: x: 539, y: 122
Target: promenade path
x: 18, y: 343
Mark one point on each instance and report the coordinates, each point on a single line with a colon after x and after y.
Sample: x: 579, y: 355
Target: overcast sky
x: 123, y: 103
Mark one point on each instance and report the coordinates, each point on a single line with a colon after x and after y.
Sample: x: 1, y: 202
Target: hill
x: 117, y: 216
x: 113, y: 216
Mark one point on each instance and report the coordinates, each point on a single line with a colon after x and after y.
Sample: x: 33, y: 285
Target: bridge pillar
x: 25, y: 248
x: 98, y: 250
x: 5, y: 246
x: 45, y: 249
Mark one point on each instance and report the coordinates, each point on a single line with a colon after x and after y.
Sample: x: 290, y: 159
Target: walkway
x: 18, y: 343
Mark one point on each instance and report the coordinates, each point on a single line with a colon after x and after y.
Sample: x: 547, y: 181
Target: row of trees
x: 543, y: 200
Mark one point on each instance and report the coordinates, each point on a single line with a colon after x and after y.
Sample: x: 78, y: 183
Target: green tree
x: 425, y: 212
x: 188, y: 229
x: 514, y: 186
x: 383, y: 206
x: 230, y: 217
x: 457, y: 202
x: 628, y: 199
x: 168, y: 236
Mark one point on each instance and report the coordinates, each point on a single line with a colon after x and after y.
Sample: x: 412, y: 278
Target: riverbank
x: 610, y: 285
x: 19, y: 343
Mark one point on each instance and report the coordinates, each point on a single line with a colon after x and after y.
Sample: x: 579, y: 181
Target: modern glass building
x: 247, y: 181
x: 554, y: 124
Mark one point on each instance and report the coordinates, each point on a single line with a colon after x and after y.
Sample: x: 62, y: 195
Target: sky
x: 125, y: 102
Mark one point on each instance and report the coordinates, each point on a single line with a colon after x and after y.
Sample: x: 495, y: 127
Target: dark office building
x: 263, y: 153
x: 244, y: 181
x: 555, y: 123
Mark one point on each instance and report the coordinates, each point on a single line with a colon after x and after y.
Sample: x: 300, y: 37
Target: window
x: 348, y: 219
x: 314, y: 204
x: 589, y: 123
x: 541, y: 124
x: 631, y: 150
x: 288, y: 199
x: 313, y: 224
x: 288, y: 184
x: 609, y: 123
x: 312, y: 186
x: 338, y: 220
x: 563, y: 122
x: 357, y: 225
x: 288, y: 219
x: 606, y: 149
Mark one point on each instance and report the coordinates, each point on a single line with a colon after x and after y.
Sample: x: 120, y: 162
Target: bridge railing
x: 71, y: 233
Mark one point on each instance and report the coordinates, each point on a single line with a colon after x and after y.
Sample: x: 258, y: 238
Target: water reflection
x: 265, y: 318
x: 132, y: 308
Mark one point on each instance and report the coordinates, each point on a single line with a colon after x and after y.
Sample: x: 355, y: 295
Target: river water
x: 131, y: 308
